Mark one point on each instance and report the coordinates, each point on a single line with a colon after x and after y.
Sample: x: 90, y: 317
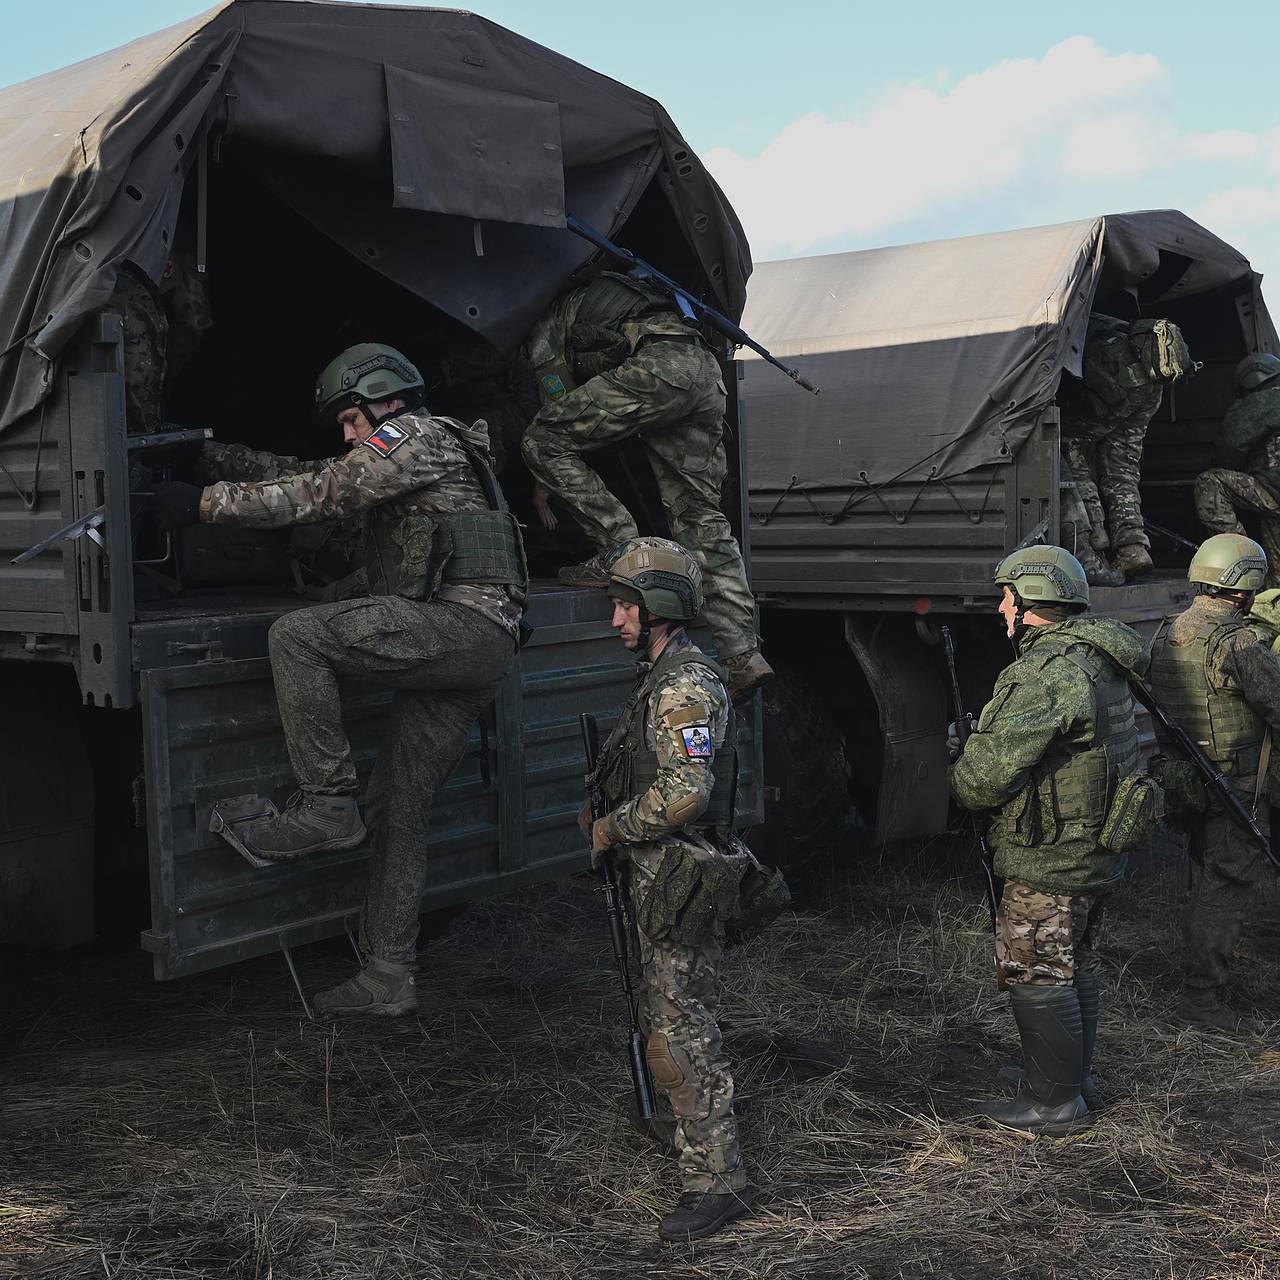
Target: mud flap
x: 231, y: 816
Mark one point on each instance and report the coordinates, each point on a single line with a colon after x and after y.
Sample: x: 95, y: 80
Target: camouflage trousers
x: 146, y: 340
x: 1220, y: 497
x: 679, y: 1004
x: 671, y: 396
x: 1230, y: 864
x: 444, y: 662
x: 1105, y: 470
x: 1045, y: 939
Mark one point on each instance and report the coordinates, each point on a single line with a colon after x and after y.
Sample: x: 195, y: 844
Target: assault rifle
x: 1213, y: 777
x: 690, y: 306
x: 962, y: 731
x: 641, y: 1081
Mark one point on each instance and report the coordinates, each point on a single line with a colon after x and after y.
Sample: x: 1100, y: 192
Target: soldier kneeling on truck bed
x: 1054, y: 757
x: 1104, y: 423
x: 1248, y: 477
x: 440, y: 626
x: 1211, y: 673
x: 614, y: 361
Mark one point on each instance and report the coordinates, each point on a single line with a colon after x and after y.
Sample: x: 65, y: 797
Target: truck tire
x: 806, y: 776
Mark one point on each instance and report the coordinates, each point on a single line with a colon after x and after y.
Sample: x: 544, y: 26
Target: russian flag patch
x: 387, y: 439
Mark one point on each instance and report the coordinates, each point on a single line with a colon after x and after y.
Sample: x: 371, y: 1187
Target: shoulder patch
x: 697, y: 741
x: 387, y: 439
x: 688, y: 715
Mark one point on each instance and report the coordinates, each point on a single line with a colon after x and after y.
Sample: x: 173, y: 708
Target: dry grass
x: 205, y: 1129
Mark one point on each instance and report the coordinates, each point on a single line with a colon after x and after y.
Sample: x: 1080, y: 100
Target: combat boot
x: 1132, y: 560
x: 590, y: 573
x: 380, y: 990
x: 1096, y: 568
x: 1049, y: 1024
x: 1014, y: 1078
x: 1208, y: 1011
x: 310, y: 823
x: 747, y: 672
x: 703, y: 1213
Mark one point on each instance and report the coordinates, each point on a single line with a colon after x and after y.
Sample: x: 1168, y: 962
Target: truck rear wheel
x: 806, y: 775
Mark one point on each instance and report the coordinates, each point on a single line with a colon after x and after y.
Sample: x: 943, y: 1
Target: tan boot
x: 747, y: 672
x: 590, y: 573
x: 1132, y: 560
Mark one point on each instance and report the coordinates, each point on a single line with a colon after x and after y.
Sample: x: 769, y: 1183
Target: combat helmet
x: 369, y: 371
x: 1229, y: 562
x: 1044, y: 575
x: 1255, y: 370
x: 658, y: 574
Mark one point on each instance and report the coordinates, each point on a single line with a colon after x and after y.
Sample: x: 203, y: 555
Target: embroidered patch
x: 554, y: 386
x: 387, y: 439
x: 697, y: 741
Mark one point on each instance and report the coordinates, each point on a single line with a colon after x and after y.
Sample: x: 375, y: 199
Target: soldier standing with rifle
x: 1054, y: 758
x: 667, y: 777
x: 1211, y: 675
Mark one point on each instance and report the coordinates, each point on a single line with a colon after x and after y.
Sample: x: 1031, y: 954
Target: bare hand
x: 542, y: 505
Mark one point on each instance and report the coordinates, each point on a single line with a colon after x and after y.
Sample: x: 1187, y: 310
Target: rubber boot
x: 703, y: 1213
x: 1049, y: 1024
x: 1014, y: 1078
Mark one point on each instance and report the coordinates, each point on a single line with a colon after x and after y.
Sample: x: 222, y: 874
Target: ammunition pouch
x: 1135, y: 808
x: 688, y: 896
x: 1185, y: 794
x: 484, y: 548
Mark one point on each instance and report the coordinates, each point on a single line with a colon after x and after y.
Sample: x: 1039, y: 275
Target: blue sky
x: 836, y: 126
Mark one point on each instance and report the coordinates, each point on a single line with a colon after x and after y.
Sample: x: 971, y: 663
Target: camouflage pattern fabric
x: 146, y: 336
x: 184, y: 295
x: 1230, y: 864
x: 680, y: 998
x: 414, y: 467
x: 1250, y: 435
x: 1043, y: 709
x: 444, y: 661
x: 1220, y: 495
x: 1046, y: 939
x: 670, y: 395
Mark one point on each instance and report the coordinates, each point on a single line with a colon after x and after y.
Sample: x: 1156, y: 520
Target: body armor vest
x: 1071, y: 785
x: 629, y: 766
x: 1218, y: 719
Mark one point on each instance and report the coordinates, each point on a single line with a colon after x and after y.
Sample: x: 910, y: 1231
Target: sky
x: 837, y: 126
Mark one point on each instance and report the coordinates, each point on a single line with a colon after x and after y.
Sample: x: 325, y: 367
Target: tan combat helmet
x: 658, y: 574
x: 1256, y: 370
x: 1044, y: 575
x: 1229, y: 562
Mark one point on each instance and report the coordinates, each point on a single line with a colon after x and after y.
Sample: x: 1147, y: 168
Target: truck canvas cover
x: 936, y: 359
x: 458, y: 147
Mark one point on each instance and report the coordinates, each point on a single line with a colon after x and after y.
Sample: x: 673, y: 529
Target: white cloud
x: 1078, y: 128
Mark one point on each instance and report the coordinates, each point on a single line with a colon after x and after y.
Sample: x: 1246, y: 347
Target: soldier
x: 1104, y: 424
x: 668, y: 773
x: 1213, y: 676
x: 614, y: 361
x: 446, y: 580
x: 1050, y: 756
x: 1249, y: 450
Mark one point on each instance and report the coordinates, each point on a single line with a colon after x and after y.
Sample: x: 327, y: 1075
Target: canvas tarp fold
x: 94, y: 159
x: 935, y: 359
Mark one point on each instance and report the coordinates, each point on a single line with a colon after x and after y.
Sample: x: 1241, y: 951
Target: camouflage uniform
x: 1104, y: 425
x: 1249, y: 479
x: 1059, y: 713
x: 442, y: 649
x: 163, y: 326
x: 1229, y: 666
x: 686, y: 719
x: 645, y: 374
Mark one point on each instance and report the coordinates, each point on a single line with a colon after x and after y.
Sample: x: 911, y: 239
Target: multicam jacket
x: 410, y: 467
x: 1048, y: 750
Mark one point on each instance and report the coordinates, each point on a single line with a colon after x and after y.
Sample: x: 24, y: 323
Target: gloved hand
x: 604, y: 835
x: 954, y: 746
x: 176, y: 504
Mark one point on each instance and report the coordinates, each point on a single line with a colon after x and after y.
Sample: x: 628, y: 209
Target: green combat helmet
x: 365, y: 373
x: 658, y: 574
x: 1229, y: 561
x: 1044, y: 575
x: 1255, y: 370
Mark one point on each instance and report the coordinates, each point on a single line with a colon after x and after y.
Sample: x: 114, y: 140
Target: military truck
x: 879, y: 507
x: 336, y: 173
